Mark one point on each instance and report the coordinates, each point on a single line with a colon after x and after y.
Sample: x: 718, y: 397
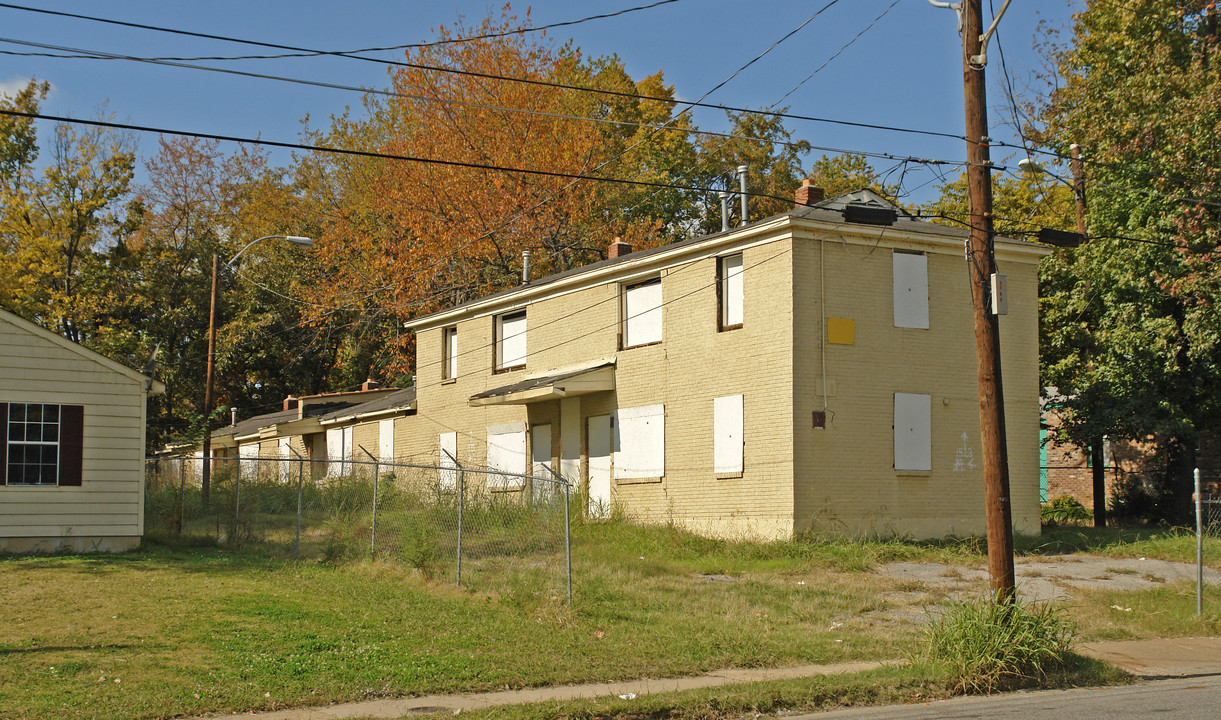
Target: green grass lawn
x: 186, y: 630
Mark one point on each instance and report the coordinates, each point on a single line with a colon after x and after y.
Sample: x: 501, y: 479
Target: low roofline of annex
x: 905, y: 234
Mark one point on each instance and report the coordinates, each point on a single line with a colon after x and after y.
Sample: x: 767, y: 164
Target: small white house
x: 71, y: 446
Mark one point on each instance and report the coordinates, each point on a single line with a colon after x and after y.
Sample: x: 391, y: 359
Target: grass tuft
x: 989, y: 646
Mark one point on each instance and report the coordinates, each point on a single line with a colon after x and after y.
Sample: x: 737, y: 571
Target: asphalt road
x: 1189, y: 698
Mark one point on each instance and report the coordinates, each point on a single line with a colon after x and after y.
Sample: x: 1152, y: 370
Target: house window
x: 640, y: 442
x: 727, y: 435
x: 913, y: 432
x: 507, y: 454
x: 642, y: 313
x: 41, y: 444
x: 449, y: 353
x: 511, y: 341
x: 911, y: 290
x: 729, y: 292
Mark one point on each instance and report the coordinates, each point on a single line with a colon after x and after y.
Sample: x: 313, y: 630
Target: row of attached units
x: 813, y: 372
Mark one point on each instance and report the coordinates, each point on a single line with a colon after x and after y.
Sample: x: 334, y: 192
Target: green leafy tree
x: 1135, y: 341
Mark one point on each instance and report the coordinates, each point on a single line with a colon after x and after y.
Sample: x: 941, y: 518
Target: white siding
x: 109, y: 502
x: 640, y: 442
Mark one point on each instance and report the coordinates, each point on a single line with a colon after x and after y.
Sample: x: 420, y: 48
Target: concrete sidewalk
x: 1171, y: 657
x: 398, y: 707
x: 1176, y: 657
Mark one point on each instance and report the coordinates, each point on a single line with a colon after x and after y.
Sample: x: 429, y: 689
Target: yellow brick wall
x: 846, y: 481
x: 692, y: 365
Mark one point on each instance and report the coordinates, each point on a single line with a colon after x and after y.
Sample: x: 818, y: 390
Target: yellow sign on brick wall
x: 841, y: 331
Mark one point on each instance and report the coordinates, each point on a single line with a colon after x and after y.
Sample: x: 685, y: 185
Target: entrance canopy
x: 555, y: 385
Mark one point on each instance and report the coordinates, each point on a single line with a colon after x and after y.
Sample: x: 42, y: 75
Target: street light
x: 206, y: 474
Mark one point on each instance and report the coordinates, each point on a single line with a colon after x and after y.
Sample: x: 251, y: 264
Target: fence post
x: 182, y: 493
x: 1199, y: 545
x: 567, y: 529
x: 377, y: 467
x: 300, y: 477
x: 461, y: 501
x: 237, y: 505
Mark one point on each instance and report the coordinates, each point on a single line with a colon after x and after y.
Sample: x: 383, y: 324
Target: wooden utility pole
x: 1097, y: 456
x: 206, y: 474
x: 981, y: 264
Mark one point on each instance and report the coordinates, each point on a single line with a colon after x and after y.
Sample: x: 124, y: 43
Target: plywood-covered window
x: 729, y: 292
x: 913, y: 432
x: 285, y: 453
x: 338, y: 451
x: 727, y: 442
x: 511, y: 341
x: 447, y: 452
x: 41, y: 444
x: 640, y: 442
x: 911, y: 290
x: 249, y: 454
x: 385, y: 440
x: 449, y: 353
x: 507, y: 453
x: 642, y: 313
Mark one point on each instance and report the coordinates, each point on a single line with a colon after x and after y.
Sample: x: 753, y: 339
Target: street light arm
x: 295, y: 239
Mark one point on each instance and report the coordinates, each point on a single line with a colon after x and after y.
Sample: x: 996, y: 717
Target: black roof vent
x: 866, y: 214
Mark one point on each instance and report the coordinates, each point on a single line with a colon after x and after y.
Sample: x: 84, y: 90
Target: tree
x: 1137, y: 343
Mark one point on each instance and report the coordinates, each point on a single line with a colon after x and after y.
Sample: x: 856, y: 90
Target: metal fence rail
x: 488, y: 529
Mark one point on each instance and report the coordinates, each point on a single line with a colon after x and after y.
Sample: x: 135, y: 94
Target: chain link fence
x: 486, y: 529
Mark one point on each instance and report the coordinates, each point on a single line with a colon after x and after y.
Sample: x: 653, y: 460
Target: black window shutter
x: 3, y: 443
x: 71, y: 444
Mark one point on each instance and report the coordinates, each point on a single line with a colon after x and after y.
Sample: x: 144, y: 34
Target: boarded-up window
x: 448, y: 452
x: 640, y: 442
x: 449, y: 353
x: 385, y: 440
x: 729, y: 291
x: 911, y: 290
x: 540, y: 461
x: 249, y: 454
x: 507, y: 453
x: 338, y: 451
x: 642, y: 313
x: 511, y: 341
x: 913, y: 432
x: 283, y: 466
x: 727, y: 434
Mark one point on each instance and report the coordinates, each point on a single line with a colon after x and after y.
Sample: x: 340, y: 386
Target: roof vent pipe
x: 724, y: 210
x: 525, y: 267
x: 233, y: 416
x: 742, y: 192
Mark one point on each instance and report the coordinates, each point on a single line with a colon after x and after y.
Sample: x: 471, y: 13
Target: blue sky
x: 904, y: 71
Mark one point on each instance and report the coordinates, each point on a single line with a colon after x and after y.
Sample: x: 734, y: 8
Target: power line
x: 308, y: 52
x: 87, y: 54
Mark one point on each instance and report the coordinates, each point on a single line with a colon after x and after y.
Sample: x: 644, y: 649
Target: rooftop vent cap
x: 864, y: 214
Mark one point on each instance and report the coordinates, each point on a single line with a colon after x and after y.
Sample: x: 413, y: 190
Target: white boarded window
x: 640, y: 442
x: 285, y: 454
x: 911, y: 290
x: 385, y: 440
x: 249, y: 454
x: 507, y: 453
x: 913, y: 432
x: 730, y: 291
x: 448, y: 452
x: 727, y: 434
x: 449, y: 353
x: 540, y: 461
x: 338, y: 451
x: 642, y: 313
x: 511, y: 341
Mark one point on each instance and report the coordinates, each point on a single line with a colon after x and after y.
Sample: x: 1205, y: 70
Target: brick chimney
x: 370, y: 384
x: 808, y: 194
x: 618, y: 249
x: 290, y: 403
